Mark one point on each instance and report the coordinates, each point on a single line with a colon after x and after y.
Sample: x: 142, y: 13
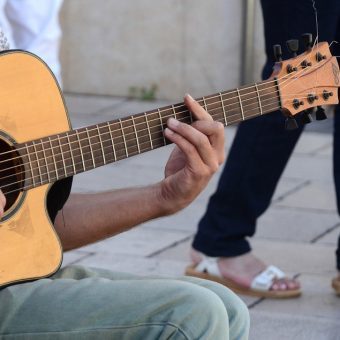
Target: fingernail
x: 173, y: 122
x: 188, y: 96
x: 168, y: 131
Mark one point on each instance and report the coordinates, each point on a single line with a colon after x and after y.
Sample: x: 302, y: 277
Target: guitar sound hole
x: 11, y: 173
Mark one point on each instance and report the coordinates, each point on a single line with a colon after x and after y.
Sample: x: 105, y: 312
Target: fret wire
x: 266, y: 82
x: 174, y: 111
x: 224, y: 113
x: 137, y: 140
x: 62, y: 155
x: 53, y: 156
x: 234, y: 121
x: 259, y: 99
x: 123, y: 134
x: 29, y: 159
x: 205, y: 104
x: 81, y: 150
x: 233, y: 91
x: 36, y: 153
x: 148, y: 127
x: 239, y: 98
x: 71, y: 153
x: 112, y: 143
x: 101, y: 143
x: 215, y: 115
x: 90, y: 144
x: 48, y: 172
x: 162, y: 127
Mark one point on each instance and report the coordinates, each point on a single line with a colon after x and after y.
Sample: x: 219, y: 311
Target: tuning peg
x: 293, y: 46
x: 306, y: 117
x: 277, y: 52
x: 307, y: 39
x: 320, y: 113
x: 291, y: 124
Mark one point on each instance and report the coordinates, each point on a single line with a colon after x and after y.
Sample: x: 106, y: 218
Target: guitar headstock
x: 308, y: 80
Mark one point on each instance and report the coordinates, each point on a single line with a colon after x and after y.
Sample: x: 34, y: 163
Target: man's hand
x: 2, y: 204
x: 198, y: 153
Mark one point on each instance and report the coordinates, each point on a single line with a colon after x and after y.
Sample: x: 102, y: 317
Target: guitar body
x: 31, y: 107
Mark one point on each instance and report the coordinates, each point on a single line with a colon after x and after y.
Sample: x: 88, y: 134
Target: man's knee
x: 238, y: 313
x: 204, y: 313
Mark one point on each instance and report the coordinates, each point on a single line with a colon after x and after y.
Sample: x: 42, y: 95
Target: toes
x: 285, y: 284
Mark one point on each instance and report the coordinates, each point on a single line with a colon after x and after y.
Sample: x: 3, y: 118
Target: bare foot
x: 244, y: 268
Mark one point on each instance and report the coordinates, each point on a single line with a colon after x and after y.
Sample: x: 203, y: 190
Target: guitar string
x: 71, y: 165
x: 134, y: 139
x: 201, y: 101
x: 114, y: 144
x: 134, y: 132
x: 60, y: 145
x: 39, y: 159
x: 131, y: 133
x: 92, y: 159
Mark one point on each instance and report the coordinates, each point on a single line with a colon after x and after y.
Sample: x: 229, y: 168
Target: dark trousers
x: 262, y: 146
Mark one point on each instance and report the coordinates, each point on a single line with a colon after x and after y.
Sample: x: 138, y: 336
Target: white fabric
x: 33, y: 25
x: 265, y: 280
x: 209, y: 265
x: 262, y: 282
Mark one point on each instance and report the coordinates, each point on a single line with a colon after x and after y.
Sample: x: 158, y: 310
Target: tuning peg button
x: 320, y: 113
x: 307, y: 39
x: 293, y: 46
x: 277, y: 52
x: 306, y: 117
x: 291, y: 124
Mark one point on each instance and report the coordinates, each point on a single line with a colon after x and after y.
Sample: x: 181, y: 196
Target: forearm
x: 87, y: 218
x: 199, y: 151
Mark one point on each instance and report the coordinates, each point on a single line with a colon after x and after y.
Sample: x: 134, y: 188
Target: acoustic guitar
x: 38, y: 146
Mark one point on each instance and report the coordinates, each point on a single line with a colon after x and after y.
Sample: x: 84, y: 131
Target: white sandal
x: 260, y: 286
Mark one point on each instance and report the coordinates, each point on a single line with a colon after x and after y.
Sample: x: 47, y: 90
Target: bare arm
x: 199, y: 151
x: 87, y: 218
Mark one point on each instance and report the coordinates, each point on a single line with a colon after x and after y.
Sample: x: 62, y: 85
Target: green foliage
x: 143, y: 93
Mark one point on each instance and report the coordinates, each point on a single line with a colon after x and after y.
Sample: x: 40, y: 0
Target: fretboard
x: 51, y: 158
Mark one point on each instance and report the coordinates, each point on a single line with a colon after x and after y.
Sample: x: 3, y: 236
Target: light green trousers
x: 80, y: 303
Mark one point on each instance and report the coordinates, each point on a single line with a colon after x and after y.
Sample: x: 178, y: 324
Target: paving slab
x: 287, y: 186
x: 312, y: 142
x: 136, y: 265
x: 325, y: 152
x: 273, y: 326
x: 295, y: 225
x: 139, y: 242
x: 296, y: 257
x: 309, y: 167
x: 185, y: 220
x: 317, y: 300
x: 330, y: 238
x: 317, y: 195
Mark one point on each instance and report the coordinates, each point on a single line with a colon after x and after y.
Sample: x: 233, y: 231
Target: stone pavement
x: 298, y: 233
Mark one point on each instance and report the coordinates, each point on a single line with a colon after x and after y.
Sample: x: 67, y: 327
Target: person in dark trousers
x: 256, y: 161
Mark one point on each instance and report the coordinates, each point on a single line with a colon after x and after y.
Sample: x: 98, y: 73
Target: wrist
x: 169, y: 202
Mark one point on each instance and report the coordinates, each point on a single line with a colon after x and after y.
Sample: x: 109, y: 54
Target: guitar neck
x: 59, y: 156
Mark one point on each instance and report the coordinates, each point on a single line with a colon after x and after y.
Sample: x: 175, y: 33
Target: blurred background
x: 160, y: 49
